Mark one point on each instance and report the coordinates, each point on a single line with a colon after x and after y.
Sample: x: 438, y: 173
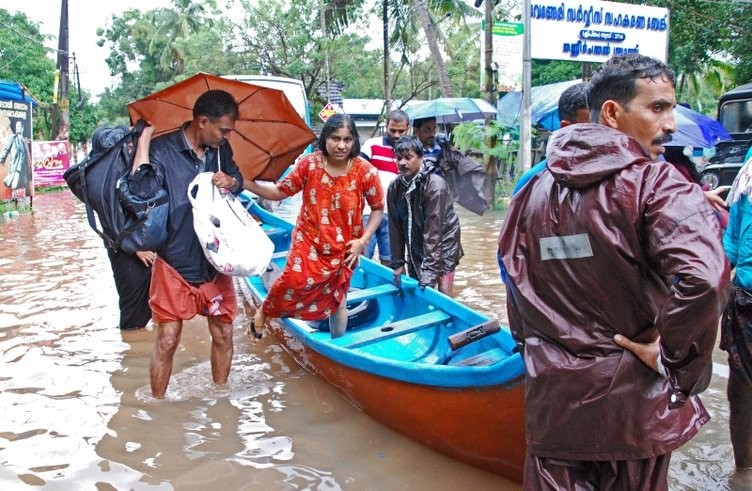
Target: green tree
x: 544, y: 72
x: 704, y: 88
x: 405, y: 17
x: 280, y: 38
x: 129, y: 38
x: 205, y: 52
x: 285, y: 39
x: 463, y: 58
x: 165, y: 45
x: 173, y: 26
x: 24, y: 59
x: 358, y: 71
x: 339, y: 14
x: 429, y: 30
x: 83, y: 118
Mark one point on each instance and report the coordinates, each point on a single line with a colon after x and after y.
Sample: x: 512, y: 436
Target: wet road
x: 77, y: 412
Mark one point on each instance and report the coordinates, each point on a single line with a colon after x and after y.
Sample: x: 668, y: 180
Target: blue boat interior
x: 398, y: 330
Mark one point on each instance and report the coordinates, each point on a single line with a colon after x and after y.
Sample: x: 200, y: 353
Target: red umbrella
x: 269, y: 134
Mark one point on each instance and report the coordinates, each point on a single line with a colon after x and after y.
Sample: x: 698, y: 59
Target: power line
x: 27, y: 37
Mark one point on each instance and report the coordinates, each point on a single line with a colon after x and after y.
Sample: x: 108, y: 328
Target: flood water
x: 77, y: 412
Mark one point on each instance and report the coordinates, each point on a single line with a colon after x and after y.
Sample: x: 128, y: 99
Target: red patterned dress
x: 316, y: 279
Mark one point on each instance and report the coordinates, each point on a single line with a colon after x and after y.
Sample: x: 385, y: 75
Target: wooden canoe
x: 417, y: 361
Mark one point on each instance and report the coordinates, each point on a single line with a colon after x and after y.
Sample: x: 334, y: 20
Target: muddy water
x: 77, y: 414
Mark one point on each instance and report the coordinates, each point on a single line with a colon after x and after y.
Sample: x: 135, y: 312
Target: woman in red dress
x: 329, y: 234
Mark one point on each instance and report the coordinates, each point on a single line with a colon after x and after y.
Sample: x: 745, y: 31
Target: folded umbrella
x: 269, y: 134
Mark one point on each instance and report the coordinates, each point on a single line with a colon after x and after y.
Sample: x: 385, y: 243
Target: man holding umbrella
x: 184, y: 283
x: 425, y: 130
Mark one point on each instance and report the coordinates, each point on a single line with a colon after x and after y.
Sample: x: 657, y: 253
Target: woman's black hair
x: 333, y: 124
x: 676, y: 156
x: 407, y: 143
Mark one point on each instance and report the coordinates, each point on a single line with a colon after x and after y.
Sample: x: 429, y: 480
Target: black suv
x: 735, y: 114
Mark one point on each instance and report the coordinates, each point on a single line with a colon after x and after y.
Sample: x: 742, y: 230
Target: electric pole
x: 61, y: 129
x: 387, y: 74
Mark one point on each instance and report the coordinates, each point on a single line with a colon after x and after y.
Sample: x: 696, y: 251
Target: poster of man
x: 15, y: 150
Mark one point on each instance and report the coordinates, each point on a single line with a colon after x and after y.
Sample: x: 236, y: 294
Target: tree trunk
x: 421, y: 11
x: 490, y: 83
x: 387, y: 77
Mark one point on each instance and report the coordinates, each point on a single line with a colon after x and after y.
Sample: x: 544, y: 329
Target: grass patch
x: 14, y: 205
x: 49, y: 189
x: 503, y: 192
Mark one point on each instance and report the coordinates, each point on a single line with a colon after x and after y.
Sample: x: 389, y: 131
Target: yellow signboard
x: 327, y: 112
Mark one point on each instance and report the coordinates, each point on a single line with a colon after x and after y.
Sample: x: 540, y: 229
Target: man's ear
x: 202, y: 120
x: 611, y: 113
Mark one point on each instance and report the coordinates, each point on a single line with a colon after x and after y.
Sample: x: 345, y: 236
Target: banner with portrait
x: 16, y: 175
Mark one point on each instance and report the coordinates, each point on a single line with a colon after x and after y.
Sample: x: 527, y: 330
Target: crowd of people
x: 616, y: 262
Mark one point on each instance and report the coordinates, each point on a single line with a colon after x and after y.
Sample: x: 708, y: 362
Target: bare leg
x: 446, y: 284
x: 221, y: 349
x: 168, y: 337
x: 740, y: 419
x: 259, y: 319
x: 338, y: 321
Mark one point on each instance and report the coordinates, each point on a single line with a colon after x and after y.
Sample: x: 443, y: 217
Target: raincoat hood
x: 583, y: 154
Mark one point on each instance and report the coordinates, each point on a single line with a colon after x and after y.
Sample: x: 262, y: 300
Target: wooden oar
x: 467, y: 336
x: 474, y: 333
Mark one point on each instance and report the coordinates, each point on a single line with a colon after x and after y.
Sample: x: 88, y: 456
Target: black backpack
x: 128, y: 221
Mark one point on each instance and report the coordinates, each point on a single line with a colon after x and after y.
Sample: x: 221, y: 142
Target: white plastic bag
x: 230, y: 238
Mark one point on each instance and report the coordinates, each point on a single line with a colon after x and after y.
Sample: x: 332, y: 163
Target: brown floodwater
x: 77, y: 412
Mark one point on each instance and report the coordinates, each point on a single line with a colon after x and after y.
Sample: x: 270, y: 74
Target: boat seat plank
x: 355, y: 296
x: 356, y: 339
x: 483, y: 359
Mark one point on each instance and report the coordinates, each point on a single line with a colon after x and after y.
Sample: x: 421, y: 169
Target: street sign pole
x: 524, y: 156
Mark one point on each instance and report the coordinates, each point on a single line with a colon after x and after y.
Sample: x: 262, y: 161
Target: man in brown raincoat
x: 616, y: 278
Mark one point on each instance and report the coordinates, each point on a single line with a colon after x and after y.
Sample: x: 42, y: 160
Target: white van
x: 293, y: 89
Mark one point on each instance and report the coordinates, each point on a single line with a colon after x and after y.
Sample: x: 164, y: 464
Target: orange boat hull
x: 482, y: 426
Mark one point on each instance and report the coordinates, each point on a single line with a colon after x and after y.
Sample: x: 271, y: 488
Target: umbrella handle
x: 219, y: 163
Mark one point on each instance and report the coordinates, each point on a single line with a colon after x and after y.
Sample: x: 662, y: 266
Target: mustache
x: 662, y: 140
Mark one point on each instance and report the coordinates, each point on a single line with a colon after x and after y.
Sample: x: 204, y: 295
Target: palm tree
x: 428, y: 14
x: 429, y: 29
x: 340, y: 13
x: 404, y: 17
x: 707, y: 85
x: 173, y: 25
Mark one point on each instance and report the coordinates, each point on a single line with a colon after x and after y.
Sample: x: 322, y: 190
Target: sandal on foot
x: 252, y: 330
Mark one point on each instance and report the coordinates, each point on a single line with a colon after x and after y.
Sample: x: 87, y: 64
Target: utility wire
x: 27, y: 37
